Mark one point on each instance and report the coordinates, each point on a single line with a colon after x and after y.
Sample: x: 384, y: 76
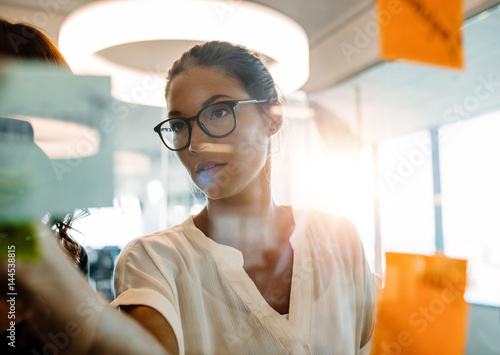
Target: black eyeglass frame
x: 231, y: 103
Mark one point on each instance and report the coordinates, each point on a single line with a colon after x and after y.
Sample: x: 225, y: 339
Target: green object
x: 19, y: 239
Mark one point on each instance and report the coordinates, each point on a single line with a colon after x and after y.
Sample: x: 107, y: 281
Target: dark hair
x: 27, y: 42
x: 235, y: 61
x: 75, y: 250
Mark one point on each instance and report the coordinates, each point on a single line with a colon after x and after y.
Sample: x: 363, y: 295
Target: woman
x: 245, y: 275
x: 55, y: 310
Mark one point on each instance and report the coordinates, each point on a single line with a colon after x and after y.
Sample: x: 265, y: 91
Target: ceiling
x: 317, y: 17
x: 395, y: 98
x: 327, y: 24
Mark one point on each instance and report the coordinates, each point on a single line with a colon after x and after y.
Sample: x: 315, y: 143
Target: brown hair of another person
x: 24, y: 41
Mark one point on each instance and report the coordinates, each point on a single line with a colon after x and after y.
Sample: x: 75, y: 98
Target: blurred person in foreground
x: 56, y: 310
x: 245, y: 275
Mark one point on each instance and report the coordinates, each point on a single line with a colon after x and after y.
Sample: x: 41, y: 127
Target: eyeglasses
x: 216, y: 120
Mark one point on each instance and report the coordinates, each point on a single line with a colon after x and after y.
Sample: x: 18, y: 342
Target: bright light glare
x: 406, y: 194
x: 98, y: 26
x: 115, y: 225
x: 156, y: 192
x: 308, y: 175
x: 470, y: 175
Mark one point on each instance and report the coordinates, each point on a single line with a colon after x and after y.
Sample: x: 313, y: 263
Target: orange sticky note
x: 421, y: 309
x: 426, y: 31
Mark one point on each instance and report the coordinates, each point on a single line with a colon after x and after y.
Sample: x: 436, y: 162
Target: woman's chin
x: 216, y: 191
x: 213, y: 192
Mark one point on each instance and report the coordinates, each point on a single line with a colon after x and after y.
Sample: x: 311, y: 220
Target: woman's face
x: 220, y: 167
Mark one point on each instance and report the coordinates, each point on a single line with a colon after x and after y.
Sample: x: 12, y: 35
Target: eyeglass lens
x: 216, y: 120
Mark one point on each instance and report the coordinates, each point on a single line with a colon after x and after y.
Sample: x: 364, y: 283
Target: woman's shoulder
x: 325, y: 228
x: 323, y: 219
x: 171, y: 238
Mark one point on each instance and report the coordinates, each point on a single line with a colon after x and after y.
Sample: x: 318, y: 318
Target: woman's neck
x: 251, y: 219
x: 255, y: 200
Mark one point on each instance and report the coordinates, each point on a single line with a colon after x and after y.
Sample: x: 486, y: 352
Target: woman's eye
x: 219, y: 113
x: 177, y: 127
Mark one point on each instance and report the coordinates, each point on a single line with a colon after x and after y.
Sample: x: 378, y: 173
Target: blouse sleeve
x: 366, y: 295
x: 141, y: 278
x: 365, y: 282
x: 339, y: 235
x: 377, y: 282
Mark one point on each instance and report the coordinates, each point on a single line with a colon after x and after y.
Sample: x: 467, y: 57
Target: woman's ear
x: 275, y: 118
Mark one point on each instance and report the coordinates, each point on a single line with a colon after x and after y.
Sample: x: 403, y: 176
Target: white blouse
x: 214, y: 307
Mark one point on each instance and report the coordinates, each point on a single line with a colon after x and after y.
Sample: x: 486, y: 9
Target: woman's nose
x: 199, y: 139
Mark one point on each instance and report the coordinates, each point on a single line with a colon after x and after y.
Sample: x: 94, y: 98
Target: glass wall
x: 406, y: 194
x: 470, y: 176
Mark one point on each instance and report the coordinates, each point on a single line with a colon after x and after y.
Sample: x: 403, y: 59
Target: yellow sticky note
x: 426, y: 31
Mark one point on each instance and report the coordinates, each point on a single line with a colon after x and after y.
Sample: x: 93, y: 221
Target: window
x: 107, y: 226
x: 406, y: 194
x: 470, y: 180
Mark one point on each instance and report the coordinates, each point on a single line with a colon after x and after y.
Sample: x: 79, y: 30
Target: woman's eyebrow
x: 213, y: 98
x: 174, y: 113
x: 204, y: 104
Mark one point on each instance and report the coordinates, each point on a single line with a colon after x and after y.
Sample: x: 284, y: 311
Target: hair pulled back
x: 233, y: 60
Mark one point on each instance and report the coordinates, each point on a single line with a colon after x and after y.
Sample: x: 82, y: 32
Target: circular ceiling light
x: 61, y: 139
x: 92, y: 37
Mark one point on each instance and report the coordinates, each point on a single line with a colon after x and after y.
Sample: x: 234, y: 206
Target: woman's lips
x: 209, y: 167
